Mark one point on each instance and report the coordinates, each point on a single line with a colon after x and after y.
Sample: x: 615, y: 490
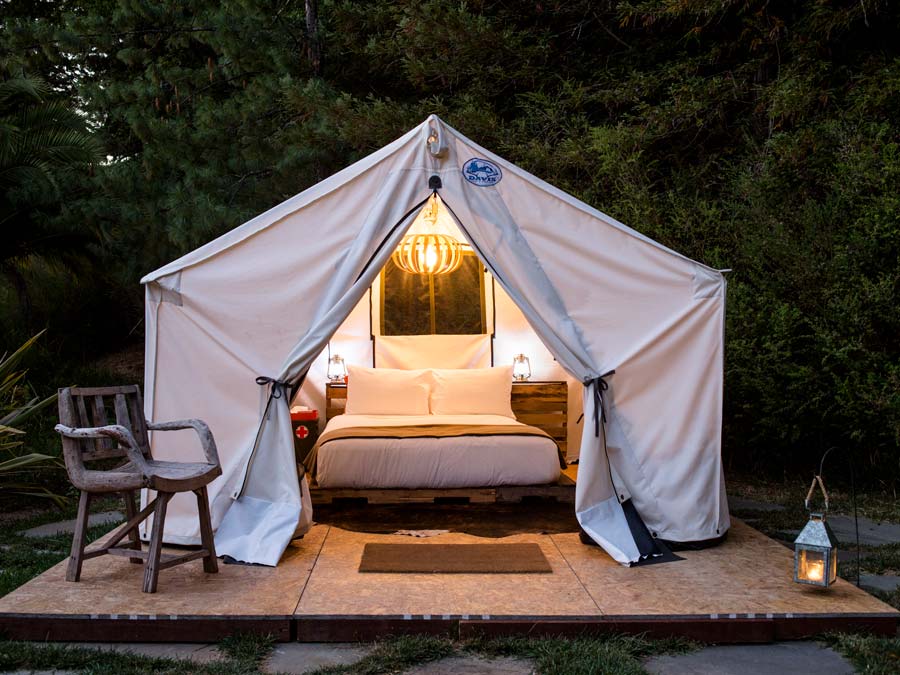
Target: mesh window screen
x: 446, y: 304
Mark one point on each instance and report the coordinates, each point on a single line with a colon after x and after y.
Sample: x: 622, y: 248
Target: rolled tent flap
x: 597, y: 506
x: 600, y: 295
x: 259, y: 525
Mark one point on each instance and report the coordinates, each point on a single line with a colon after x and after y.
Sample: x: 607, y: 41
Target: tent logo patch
x: 481, y: 172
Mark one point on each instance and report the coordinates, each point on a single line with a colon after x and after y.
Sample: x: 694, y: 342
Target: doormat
x: 455, y: 559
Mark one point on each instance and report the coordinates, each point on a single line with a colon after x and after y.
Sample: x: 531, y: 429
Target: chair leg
x: 76, y: 558
x: 210, y: 564
x: 151, y: 566
x: 133, y: 534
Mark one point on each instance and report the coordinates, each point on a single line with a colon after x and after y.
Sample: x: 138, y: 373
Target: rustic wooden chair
x: 87, y: 436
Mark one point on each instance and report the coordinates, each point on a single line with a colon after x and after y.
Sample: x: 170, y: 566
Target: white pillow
x: 472, y: 391
x: 385, y: 391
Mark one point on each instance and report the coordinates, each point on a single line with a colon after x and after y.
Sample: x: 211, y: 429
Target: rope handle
x: 817, y: 479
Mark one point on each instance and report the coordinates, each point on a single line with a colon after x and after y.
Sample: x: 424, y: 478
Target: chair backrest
x: 97, y: 407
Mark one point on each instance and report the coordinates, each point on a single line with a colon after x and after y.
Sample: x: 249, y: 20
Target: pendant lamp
x: 428, y: 253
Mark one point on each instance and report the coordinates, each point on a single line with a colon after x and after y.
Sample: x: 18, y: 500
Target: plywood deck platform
x: 740, y: 591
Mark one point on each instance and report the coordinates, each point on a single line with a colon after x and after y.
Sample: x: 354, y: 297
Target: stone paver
x: 849, y: 555
x: 197, y: 652
x: 68, y: 526
x: 780, y: 657
x: 885, y: 583
x: 303, y: 657
x: 741, y: 504
x: 474, y: 665
x: 870, y: 532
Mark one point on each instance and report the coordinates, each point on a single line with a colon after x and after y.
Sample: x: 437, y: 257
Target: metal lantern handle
x: 816, y: 480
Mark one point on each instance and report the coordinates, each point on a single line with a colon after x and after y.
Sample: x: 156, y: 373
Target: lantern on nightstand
x: 337, y: 369
x: 815, y: 549
x: 521, y: 368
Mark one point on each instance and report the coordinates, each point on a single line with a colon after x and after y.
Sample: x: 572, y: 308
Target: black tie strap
x: 600, y: 385
x: 278, y: 388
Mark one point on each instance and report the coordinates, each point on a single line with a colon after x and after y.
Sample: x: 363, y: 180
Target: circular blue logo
x: 481, y: 172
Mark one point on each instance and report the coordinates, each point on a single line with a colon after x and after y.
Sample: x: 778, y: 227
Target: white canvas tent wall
x: 264, y: 299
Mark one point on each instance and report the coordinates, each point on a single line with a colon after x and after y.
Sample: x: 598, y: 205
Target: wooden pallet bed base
x: 498, y: 495
x: 562, y: 491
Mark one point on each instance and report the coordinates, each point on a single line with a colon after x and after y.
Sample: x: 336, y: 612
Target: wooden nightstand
x: 544, y: 405
x: 335, y: 399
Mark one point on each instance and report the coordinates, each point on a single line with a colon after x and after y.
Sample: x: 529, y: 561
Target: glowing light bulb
x: 815, y: 570
x: 431, y: 257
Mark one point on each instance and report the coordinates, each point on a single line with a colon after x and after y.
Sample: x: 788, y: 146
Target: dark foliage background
x: 755, y: 135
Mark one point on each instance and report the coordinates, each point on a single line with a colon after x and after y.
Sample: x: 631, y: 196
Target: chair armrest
x: 115, y: 431
x: 203, y: 432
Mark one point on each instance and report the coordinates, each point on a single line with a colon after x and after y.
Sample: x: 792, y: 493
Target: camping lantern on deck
x: 521, y: 368
x: 337, y: 369
x: 815, y: 549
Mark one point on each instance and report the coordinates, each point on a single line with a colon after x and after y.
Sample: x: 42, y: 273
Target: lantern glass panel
x: 811, y: 566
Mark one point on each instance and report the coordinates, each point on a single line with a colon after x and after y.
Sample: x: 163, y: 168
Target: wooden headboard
x: 544, y: 405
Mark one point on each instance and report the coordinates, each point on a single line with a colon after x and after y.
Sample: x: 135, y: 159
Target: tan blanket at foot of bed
x: 427, y: 431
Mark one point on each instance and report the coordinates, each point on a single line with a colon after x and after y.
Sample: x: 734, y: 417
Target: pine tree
x: 42, y: 144
x: 753, y: 135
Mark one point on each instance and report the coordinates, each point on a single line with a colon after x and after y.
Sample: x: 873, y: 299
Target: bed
x: 433, y: 429
x: 433, y: 451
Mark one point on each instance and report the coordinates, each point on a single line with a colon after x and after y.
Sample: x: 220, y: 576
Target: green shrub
x: 17, y: 404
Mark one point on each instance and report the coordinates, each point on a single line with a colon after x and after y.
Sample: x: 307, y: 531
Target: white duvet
x: 454, y: 462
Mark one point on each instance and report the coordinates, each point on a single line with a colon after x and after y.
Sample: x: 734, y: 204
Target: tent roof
x: 281, y: 211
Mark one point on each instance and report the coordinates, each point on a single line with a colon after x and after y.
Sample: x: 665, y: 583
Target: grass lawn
x: 610, y: 655
x: 613, y: 655
x: 242, y: 654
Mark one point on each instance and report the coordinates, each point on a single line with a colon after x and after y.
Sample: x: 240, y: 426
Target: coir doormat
x: 455, y: 558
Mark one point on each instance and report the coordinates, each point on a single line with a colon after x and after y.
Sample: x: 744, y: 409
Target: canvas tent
x: 233, y: 327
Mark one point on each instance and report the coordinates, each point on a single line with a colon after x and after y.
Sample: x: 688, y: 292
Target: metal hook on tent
x: 435, y: 142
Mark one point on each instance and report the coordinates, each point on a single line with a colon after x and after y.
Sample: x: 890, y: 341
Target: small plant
x: 17, y: 404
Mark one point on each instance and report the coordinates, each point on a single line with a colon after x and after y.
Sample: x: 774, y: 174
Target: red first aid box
x: 305, y: 424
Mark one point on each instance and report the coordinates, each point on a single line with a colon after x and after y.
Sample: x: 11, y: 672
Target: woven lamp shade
x: 428, y: 254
